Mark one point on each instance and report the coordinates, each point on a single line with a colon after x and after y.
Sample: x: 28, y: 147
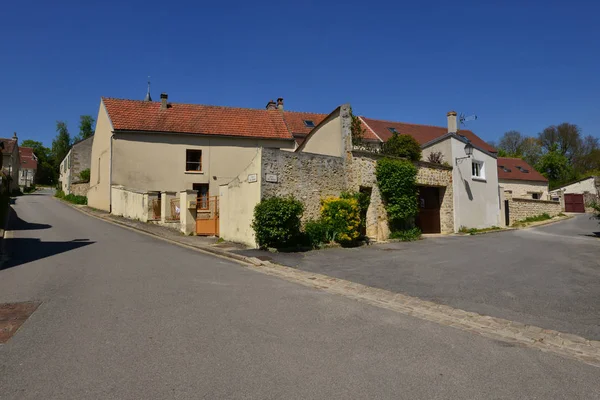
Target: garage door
x: 574, y: 203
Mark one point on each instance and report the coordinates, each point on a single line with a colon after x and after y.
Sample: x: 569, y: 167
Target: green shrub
x: 364, y: 200
x: 277, y: 222
x: 60, y: 194
x: 402, y: 146
x: 71, y: 198
x: 29, y: 189
x: 397, y: 181
x: 85, y: 175
x: 317, y: 233
x: 342, y: 218
x: 407, y: 235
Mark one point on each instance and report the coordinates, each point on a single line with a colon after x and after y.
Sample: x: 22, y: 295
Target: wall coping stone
x: 535, y: 200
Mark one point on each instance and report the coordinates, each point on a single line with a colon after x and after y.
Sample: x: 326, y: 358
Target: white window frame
x: 480, y: 169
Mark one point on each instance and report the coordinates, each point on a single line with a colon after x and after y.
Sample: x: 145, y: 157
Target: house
x: 28, y: 167
x: 476, y: 199
x: 515, y: 175
x: 11, y: 162
x: 577, y: 196
x: 78, y: 159
x: 149, y: 148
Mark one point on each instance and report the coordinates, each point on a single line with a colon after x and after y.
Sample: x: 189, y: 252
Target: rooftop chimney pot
x: 280, y: 103
x: 163, y: 101
x: 452, y: 127
x: 271, y: 105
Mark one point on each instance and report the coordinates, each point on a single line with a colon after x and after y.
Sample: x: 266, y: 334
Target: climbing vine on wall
x: 397, y: 181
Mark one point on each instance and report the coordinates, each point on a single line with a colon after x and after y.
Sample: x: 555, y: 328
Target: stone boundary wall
x: 80, y: 188
x: 305, y: 176
x: 130, y: 203
x: 523, y: 208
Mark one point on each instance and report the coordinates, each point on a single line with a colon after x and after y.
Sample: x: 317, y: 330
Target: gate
x: 207, y: 216
x: 574, y: 203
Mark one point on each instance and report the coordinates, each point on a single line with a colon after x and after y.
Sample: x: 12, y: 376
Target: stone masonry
x: 523, y: 208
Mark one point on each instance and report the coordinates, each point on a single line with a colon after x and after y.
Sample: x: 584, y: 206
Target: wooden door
x: 428, y: 219
x: 574, y: 203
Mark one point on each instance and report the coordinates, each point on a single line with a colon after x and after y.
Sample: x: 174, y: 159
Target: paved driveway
x: 547, y: 276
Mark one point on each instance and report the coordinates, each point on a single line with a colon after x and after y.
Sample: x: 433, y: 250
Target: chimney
x: 280, y: 104
x: 163, y: 101
x: 452, y: 127
x: 271, y: 105
x: 14, y: 135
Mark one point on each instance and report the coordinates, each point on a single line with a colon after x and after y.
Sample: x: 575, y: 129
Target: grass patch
x: 473, y: 231
x: 536, y: 218
x: 408, y: 235
x: 71, y: 198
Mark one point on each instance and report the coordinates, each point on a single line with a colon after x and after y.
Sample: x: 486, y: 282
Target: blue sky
x: 517, y: 65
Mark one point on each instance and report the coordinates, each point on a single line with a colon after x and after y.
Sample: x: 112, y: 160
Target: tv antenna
x: 466, y: 118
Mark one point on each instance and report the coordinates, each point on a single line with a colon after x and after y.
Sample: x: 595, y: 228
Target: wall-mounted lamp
x: 468, y: 152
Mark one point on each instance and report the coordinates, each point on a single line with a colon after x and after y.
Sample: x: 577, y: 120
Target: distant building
x: 28, y: 167
x: 10, y: 161
x: 76, y: 161
x: 521, y: 179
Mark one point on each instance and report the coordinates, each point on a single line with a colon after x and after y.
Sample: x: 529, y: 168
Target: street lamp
x: 468, y: 152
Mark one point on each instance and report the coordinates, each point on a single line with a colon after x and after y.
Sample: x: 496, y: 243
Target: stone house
x: 28, y: 167
x: 77, y: 160
x: 326, y: 164
x: 153, y: 150
x: 522, y: 180
x: 11, y: 162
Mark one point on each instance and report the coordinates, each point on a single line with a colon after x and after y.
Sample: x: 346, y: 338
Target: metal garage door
x: 574, y: 203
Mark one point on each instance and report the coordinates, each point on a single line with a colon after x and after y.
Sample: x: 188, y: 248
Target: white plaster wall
x: 476, y: 202
x: 236, y: 204
x: 327, y: 139
x: 524, y: 189
x: 100, y: 164
x: 445, y: 147
x: 577, y: 188
x: 129, y: 204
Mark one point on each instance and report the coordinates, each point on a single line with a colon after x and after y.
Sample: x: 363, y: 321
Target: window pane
x: 193, y: 160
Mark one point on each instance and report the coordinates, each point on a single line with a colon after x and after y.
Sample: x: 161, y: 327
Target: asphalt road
x: 548, y: 276
x: 127, y: 316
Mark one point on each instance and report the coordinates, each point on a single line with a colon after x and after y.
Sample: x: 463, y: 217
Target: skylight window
x: 309, y: 123
x: 392, y: 130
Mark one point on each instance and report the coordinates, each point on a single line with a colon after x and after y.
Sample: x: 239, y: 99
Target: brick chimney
x: 452, y: 127
x: 280, y: 104
x: 271, y: 105
x: 163, y: 101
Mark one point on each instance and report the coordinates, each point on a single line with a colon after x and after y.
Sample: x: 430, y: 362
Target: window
x: 309, y: 123
x: 536, y: 196
x: 392, y: 130
x: 193, y: 160
x: 477, y: 169
x: 202, y: 197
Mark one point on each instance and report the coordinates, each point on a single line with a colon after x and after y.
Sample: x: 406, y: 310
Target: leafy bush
x: 397, y: 181
x: 407, y: 235
x: 342, y: 217
x: 72, y: 198
x: 277, y: 222
x: 435, y: 157
x: 402, y: 146
x: 60, y: 194
x: 364, y: 200
x: 85, y: 175
x: 316, y: 233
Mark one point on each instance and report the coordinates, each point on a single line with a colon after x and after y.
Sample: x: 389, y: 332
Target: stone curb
x: 564, y: 344
x: 548, y: 222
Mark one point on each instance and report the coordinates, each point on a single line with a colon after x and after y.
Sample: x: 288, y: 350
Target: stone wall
x: 81, y: 158
x: 523, y: 208
x: 80, y: 189
x: 307, y: 177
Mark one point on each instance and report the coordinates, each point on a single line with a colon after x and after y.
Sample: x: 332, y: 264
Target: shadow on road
x: 20, y: 251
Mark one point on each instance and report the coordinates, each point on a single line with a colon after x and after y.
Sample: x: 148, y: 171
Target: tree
x: 566, y: 137
x: 511, y: 143
x: 61, y: 144
x: 588, y: 158
x: 86, y: 127
x: 531, y: 150
x: 45, y: 174
x: 554, y: 166
x: 402, y: 146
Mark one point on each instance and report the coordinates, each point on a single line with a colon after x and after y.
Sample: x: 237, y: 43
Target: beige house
x: 11, y: 162
x: 521, y: 179
x: 147, y: 148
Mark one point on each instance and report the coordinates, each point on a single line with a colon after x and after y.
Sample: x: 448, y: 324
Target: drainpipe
x: 112, y: 137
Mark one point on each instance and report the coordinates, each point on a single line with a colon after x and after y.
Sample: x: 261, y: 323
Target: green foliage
x: 397, y: 181
x: 536, y: 218
x: 85, y: 175
x: 45, y: 174
x: 357, y: 130
x: 71, y: 198
x: 472, y: 231
x: 555, y: 166
x: 86, y: 127
x: 402, y: 146
x: 60, y: 194
x: 317, y: 233
x: 342, y: 217
x: 277, y: 222
x: 407, y: 235
x: 363, y: 199
x: 61, y: 144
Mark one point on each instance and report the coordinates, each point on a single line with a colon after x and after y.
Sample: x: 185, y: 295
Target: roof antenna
x: 148, y: 97
x: 464, y: 119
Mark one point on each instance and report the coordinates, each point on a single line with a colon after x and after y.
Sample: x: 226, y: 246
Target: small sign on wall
x: 252, y: 178
x: 271, y: 178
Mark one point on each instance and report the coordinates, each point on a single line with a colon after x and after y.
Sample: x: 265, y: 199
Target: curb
x: 546, y: 340
x: 547, y: 222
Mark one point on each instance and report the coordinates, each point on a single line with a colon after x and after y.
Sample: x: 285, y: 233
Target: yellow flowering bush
x: 342, y: 217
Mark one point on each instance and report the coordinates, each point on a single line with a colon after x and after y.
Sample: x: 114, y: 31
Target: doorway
x: 428, y: 219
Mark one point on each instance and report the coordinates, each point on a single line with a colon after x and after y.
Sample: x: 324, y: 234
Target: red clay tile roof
x: 9, y: 145
x: 295, y: 121
x: 136, y: 115
x: 28, y: 159
x: 507, y: 169
x: 422, y: 133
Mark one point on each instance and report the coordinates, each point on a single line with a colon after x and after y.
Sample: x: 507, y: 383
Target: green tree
x: 565, y: 138
x: 61, y: 144
x: 531, y: 150
x: 554, y: 166
x: 86, y: 127
x: 402, y: 146
x: 45, y: 173
x: 511, y: 143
